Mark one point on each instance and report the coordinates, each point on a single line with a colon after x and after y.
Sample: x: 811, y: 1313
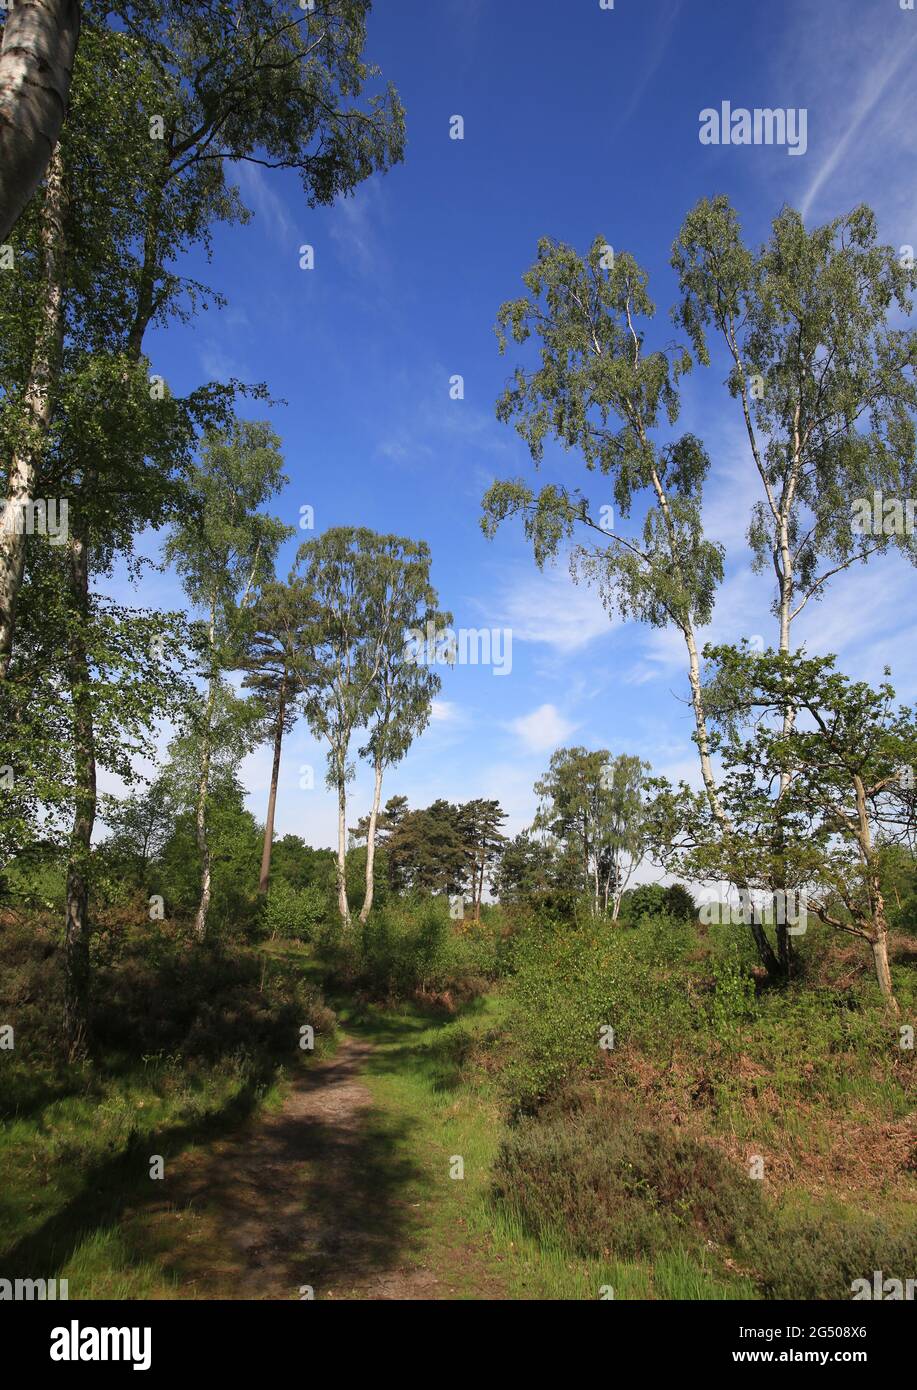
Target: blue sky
x: 578, y: 121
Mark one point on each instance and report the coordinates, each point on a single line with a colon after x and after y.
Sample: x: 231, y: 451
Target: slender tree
x: 215, y: 549
x: 623, y: 781
x: 343, y: 657
x: 404, y: 686
x: 598, y: 391
x: 282, y: 617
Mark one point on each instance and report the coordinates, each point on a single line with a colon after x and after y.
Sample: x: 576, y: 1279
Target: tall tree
x: 273, y: 662
x: 598, y: 391
x: 480, y: 822
x: 343, y: 657
x: 404, y: 687
x: 826, y: 388
x: 215, y: 549
x: 165, y: 81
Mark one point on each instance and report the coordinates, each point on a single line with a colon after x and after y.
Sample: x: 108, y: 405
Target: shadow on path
x: 317, y: 1195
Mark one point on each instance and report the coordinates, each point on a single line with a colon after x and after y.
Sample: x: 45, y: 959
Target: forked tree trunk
x: 76, y: 927
x: 272, y: 797
x: 38, y: 403
x: 371, y: 846
x: 36, y: 66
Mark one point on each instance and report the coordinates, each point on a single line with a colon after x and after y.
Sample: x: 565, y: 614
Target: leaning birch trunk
x: 38, y: 407
x: 203, y: 842
x: 36, y: 65
x: 371, y: 846
x: 272, y: 798
x: 76, y: 929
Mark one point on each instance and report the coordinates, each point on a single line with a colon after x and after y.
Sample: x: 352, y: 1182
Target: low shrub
x: 817, y: 1256
x: 608, y: 1183
x: 292, y: 913
x: 571, y: 986
x: 413, y: 948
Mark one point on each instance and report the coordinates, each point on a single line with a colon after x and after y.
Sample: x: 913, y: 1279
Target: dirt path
x: 318, y: 1195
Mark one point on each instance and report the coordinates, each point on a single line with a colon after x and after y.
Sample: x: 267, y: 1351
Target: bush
x: 293, y: 913
x: 652, y: 900
x: 816, y: 1257
x: 153, y: 992
x: 413, y: 948
x: 570, y: 984
x: 605, y: 1183
x: 646, y: 900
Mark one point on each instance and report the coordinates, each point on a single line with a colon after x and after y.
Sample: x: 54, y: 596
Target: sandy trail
x: 313, y: 1196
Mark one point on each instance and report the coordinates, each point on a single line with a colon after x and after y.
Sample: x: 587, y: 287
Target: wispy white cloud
x: 849, y: 66
x: 264, y: 200
x: 445, y: 712
x: 354, y: 227
x: 878, y: 80
x: 545, y: 728
x: 663, y: 30
x: 547, y: 607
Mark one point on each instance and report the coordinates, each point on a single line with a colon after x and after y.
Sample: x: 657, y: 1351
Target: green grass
x: 76, y: 1201
x: 451, y: 1111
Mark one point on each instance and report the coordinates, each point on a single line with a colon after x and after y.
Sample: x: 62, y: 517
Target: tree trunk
x: 36, y: 65
x: 76, y: 929
x: 203, y: 842
x: 371, y: 846
x: 766, y: 954
x: 479, y: 883
x: 879, y: 946
x: 37, y: 403
x: 272, y: 798
x: 343, y: 905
